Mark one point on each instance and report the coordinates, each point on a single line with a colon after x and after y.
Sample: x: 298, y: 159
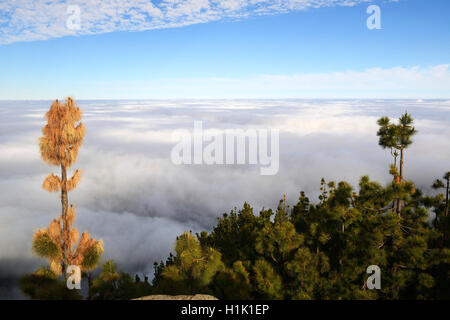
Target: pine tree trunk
x: 446, y: 198
x: 401, y: 164
x: 65, y: 205
x: 399, y: 203
x: 89, y: 281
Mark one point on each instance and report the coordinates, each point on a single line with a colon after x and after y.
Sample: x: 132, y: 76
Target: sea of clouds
x: 133, y: 197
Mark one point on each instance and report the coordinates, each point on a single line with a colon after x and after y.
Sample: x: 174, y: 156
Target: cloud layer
x: 375, y: 83
x: 133, y: 197
x: 24, y: 20
x: 432, y: 82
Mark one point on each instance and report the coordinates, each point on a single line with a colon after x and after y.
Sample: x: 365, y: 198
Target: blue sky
x: 292, y: 51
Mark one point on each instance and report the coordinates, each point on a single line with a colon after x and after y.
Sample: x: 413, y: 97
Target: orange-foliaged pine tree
x: 62, y: 137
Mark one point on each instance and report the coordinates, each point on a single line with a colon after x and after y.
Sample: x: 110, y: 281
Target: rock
x: 179, y: 297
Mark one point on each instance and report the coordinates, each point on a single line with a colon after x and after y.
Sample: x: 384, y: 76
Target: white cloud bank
x: 25, y: 20
x: 138, y: 201
x: 432, y: 82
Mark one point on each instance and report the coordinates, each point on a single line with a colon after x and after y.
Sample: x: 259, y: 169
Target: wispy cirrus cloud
x: 25, y: 20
